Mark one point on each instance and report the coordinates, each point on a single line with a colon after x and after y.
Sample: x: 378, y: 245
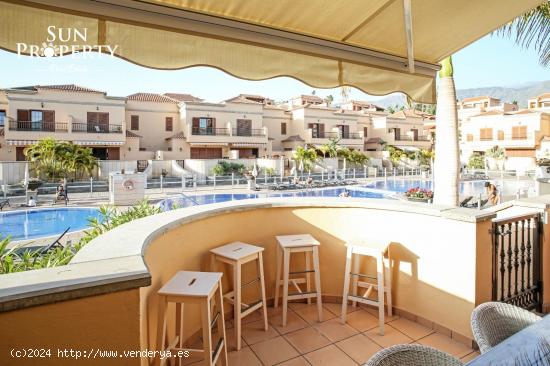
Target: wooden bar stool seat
x: 381, y: 282
x: 193, y: 288
x: 292, y: 244
x: 236, y: 254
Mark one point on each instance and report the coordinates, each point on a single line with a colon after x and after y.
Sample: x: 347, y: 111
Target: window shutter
x: 365, y: 132
x: 49, y: 116
x: 322, y: 130
x: 168, y: 124
x: 195, y: 122
x: 23, y: 115
x: 213, y: 123
x: 283, y: 128
x: 134, y: 124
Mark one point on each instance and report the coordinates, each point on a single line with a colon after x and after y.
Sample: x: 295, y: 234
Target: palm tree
x: 345, y: 92
x: 329, y: 99
x: 446, y: 170
x: 305, y: 157
x: 533, y: 26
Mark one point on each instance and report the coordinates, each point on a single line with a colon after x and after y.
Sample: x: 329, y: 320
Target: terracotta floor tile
x: 387, y: 318
x: 232, y: 339
x: 293, y: 322
x: 273, y: 351
x: 361, y: 320
x: 271, y: 311
x: 244, y: 357
x: 334, y: 330
x: 411, y: 329
x: 310, y: 314
x: 445, y: 344
x: 254, y: 332
x: 336, y: 309
x: 391, y: 336
x: 298, y: 361
x: 255, y: 316
x: 307, y: 340
x: 470, y: 357
x: 329, y: 356
x: 295, y: 305
x: 359, y: 347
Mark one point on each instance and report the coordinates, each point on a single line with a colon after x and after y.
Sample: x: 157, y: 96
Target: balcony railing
x: 210, y: 131
x: 351, y: 135
x: 96, y: 128
x: 412, y: 138
x: 38, y: 126
x: 501, y: 138
x: 248, y: 132
x: 324, y: 135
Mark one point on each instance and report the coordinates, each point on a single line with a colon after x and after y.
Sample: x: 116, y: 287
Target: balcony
x: 112, y: 282
x: 351, y: 136
x: 96, y: 128
x: 257, y: 132
x: 38, y: 126
x: 209, y: 131
x: 325, y: 135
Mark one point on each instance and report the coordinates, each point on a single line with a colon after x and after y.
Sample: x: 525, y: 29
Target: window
x: 344, y: 131
x: 134, y: 124
x: 485, y: 134
x: 169, y: 125
x: 203, y: 126
x: 142, y: 149
x: 519, y: 132
x: 169, y: 148
x: 500, y: 135
x: 283, y: 128
x: 469, y: 137
x: 365, y: 132
x: 317, y: 130
x: 2, y: 118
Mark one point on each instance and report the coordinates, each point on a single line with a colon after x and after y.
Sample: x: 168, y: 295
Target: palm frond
x: 532, y: 29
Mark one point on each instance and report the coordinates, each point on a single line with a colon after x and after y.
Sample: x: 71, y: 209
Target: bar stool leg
x: 221, y: 324
x: 262, y: 287
x: 380, y: 278
x: 343, y: 316
x: 206, y: 332
x: 179, y: 327
x: 355, y: 280
x: 161, y: 328
x: 286, y: 266
x: 318, y: 282
x: 388, y: 287
x: 278, y: 276
x: 308, y: 276
x: 237, y: 302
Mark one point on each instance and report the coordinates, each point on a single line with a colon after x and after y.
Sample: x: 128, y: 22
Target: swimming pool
x: 31, y: 224
x: 469, y: 188
x: 187, y: 201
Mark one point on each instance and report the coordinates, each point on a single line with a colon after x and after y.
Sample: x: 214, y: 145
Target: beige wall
x: 272, y: 119
x: 432, y: 273
x: 152, y: 117
x: 106, y: 322
x: 69, y: 108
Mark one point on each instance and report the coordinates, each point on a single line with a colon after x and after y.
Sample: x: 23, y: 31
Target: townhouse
x: 521, y: 132
x: 175, y: 126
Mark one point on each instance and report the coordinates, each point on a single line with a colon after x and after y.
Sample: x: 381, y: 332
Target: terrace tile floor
x: 305, y: 342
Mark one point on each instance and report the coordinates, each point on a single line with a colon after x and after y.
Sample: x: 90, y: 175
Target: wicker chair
x: 493, y: 322
x: 412, y: 355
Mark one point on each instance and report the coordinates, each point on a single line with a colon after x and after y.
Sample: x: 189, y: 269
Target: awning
x: 378, y: 46
x: 99, y: 143
x: 21, y: 142
x: 219, y: 144
x: 248, y: 144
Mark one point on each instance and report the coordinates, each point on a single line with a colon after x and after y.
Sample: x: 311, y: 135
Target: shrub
x: 226, y: 168
x: 476, y: 161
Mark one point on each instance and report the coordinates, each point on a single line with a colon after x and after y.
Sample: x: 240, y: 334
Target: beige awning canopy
x: 378, y: 46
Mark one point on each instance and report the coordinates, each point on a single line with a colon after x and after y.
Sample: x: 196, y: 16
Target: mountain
x: 520, y: 93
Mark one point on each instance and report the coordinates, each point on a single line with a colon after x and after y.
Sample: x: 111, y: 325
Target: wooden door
x: 23, y: 119
x: 206, y: 153
x: 113, y: 153
x: 415, y: 134
x: 19, y: 153
x: 48, y: 123
x: 397, y: 134
x: 244, y: 127
x: 98, y: 122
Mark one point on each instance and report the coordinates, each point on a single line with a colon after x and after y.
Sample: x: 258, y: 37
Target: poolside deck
x: 304, y: 341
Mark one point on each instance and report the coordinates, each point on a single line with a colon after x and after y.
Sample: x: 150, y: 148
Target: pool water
x: 187, y: 201
x: 472, y: 188
x: 31, y: 224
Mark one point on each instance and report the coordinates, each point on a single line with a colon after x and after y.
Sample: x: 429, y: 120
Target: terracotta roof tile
x: 151, y: 97
x: 131, y: 134
x: 293, y: 138
x: 178, y: 136
x: 475, y: 99
x: 250, y: 99
x: 62, y: 87
x: 183, y: 97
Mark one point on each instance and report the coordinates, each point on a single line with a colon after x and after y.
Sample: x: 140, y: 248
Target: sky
x: 491, y: 61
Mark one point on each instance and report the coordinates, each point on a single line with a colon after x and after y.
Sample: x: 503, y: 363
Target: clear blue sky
x: 491, y: 61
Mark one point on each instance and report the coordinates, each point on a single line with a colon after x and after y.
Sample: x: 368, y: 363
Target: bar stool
x: 306, y: 244
x: 236, y: 254
x: 193, y: 288
x: 382, y: 281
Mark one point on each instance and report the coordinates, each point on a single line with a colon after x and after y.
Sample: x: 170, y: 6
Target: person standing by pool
x: 492, y: 193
